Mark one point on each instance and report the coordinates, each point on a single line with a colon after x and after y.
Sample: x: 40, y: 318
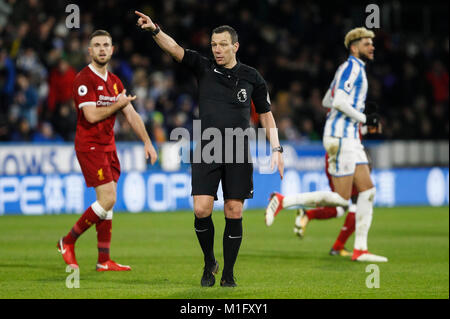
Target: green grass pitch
x: 273, y: 263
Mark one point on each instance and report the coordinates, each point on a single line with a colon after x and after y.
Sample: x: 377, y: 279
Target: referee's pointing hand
x: 145, y: 22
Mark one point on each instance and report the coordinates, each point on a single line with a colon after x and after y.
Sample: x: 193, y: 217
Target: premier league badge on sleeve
x: 242, y: 95
x: 82, y: 90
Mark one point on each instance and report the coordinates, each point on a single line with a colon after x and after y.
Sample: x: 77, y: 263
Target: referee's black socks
x: 204, y: 228
x: 232, y: 238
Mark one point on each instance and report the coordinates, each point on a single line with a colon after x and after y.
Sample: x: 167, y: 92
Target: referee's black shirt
x: 225, y: 95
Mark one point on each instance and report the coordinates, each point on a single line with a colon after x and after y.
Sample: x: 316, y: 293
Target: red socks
x: 346, y: 231
x: 322, y: 213
x: 104, y: 228
x: 331, y: 212
x: 86, y: 220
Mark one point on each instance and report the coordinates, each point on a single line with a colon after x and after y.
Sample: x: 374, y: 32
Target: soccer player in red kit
x: 99, y: 95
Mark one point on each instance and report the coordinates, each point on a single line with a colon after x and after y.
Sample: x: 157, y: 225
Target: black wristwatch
x: 278, y: 149
x: 156, y: 31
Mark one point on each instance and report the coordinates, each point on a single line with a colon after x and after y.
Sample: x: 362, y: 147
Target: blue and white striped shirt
x: 351, y: 78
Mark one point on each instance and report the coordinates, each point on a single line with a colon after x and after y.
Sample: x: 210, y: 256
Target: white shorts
x: 343, y: 155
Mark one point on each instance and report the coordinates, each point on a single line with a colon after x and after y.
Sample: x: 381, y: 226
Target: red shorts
x: 330, y: 182
x: 99, y: 167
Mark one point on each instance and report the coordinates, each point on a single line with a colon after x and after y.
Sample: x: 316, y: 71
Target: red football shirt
x: 91, y: 87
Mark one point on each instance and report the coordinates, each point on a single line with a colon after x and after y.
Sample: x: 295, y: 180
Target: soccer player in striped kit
x: 347, y: 162
x: 322, y: 213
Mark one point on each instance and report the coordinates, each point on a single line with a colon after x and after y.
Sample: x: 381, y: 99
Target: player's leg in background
x: 303, y: 216
x: 339, y: 165
x: 364, y: 205
x: 343, y: 185
x: 339, y: 197
x: 106, y: 199
x: 325, y: 212
x: 349, y: 224
x: 93, y: 215
x: 309, y: 199
x: 346, y: 231
x: 232, y: 237
x: 364, y: 213
x: 106, y: 196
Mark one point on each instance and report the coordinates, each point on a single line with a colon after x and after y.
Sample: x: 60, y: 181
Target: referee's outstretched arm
x: 268, y: 123
x: 164, y: 41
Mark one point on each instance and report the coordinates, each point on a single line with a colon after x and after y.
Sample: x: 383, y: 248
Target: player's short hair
x: 98, y: 33
x: 230, y: 30
x: 356, y: 35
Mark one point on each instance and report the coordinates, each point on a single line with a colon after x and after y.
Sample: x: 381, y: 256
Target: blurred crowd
x: 297, y: 47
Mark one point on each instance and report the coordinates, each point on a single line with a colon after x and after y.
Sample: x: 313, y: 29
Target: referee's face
x: 223, y: 49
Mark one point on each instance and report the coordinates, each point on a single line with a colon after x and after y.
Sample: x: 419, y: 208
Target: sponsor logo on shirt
x: 106, y: 100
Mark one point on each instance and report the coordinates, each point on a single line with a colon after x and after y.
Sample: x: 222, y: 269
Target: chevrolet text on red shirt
x: 91, y: 87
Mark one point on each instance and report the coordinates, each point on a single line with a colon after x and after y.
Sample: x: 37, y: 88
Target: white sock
x: 364, y: 212
x: 314, y: 199
x: 340, y: 211
x: 109, y: 215
x: 98, y: 210
x: 352, y: 208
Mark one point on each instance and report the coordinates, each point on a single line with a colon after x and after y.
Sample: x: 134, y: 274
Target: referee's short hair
x: 230, y: 30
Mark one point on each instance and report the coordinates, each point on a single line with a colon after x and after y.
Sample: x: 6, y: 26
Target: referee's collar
x: 361, y: 62
x: 232, y: 70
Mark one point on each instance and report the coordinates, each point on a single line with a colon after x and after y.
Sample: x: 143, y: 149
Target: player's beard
x: 101, y: 63
x: 365, y: 58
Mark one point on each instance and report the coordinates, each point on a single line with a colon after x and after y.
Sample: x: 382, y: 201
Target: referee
x: 226, y: 89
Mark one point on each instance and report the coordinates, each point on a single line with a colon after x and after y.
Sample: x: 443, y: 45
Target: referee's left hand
x: 277, y: 160
x: 150, y: 152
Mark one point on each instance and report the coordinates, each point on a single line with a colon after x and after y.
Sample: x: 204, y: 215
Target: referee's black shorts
x: 237, y: 179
